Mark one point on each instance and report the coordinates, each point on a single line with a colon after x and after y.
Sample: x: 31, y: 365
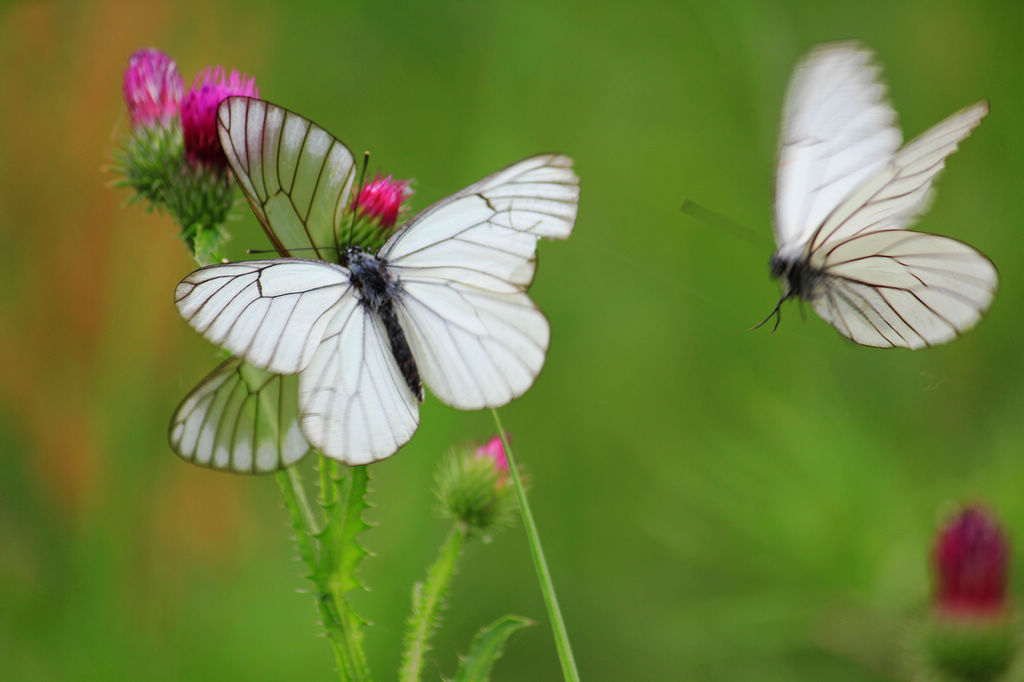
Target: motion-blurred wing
x: 894, y: 196
x: 837, y: 129
x: 464, y: 265
x: 273, y: 312
x: 903, y: 288
x: 242, y: 419
x: 295, y: 174
x: 356, y: 405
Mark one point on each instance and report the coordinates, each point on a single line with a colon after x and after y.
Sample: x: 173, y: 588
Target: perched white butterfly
x: 844, y: 192
x: 443, y: 299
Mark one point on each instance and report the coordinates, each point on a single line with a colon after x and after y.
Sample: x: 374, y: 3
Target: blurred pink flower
x: 199, y: 112
x: 971, y: 557
x: 152, y: 88
x: 382, y: 198
x: 495, y: 450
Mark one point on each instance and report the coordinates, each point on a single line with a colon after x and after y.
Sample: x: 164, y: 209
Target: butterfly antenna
x: 717, y: 220
x: 303, y: 248
x: 355, y: 201
x: 776, y: 313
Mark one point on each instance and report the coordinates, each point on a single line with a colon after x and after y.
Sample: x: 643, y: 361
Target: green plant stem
x: 307, y: 533
x: 547, y: 588
x: 428, y: 602
x: 337, y: 575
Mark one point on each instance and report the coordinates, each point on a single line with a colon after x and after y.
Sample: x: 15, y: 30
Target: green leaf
x: 487, y: 647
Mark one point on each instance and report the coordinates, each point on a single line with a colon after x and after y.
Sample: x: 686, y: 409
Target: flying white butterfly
x: 443, y: 299
x: 845, y: 191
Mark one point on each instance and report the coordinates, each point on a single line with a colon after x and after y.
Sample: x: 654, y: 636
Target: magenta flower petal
x: 495, y: 450
x: 971, y: 557
x: 152, y: 88
x: 199, y: 112
x: 381, y: 199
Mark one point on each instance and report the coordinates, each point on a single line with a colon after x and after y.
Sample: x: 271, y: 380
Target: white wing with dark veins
x: 272, y: 312
x: 295, y: 175
x: 464, y: 265
x: 837, y: 130
x: 900, y: 288
x: 356, y: 405
x: 241, y: 419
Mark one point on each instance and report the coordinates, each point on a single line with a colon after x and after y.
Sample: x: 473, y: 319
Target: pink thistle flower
x: 381, y: 199
x: 152, y: 88
x: 199, y: 112
x: 494, y: 449
x: 971, y: 557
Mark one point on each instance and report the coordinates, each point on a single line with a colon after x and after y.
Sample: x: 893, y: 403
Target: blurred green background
x: 716, y: 504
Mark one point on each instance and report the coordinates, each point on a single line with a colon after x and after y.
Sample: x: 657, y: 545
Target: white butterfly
x: 844, y: 192
x: 443, y: 299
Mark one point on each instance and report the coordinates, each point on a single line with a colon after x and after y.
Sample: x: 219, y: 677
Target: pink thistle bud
x: 199, y: 112
x: 152, y: 88
x: 381, y: 199
x: 494, y: 450
x: 971, y: 557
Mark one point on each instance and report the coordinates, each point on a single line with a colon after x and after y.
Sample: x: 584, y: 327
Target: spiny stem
x: 428, y: 602
x: 348, y: 655
x: 547, y: 588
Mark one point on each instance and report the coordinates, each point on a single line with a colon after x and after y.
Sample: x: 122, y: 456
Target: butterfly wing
x: 905, y: 289
x: 272, y: 312
x: 292, y: 315
x: 295, y: 175
x: 889, y: 287
x: 356, y: 406
x: 837, y: 129
x: 464, y: 265
x: 897, y: 193
x: 240, y: 418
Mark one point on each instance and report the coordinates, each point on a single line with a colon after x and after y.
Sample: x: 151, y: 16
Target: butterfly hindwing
x: 241, y: 419
x: 905, y: 289
x: 356, y: 405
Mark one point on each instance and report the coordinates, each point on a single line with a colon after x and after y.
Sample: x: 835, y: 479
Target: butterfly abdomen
x: 400, y: 349
x: 376, y: 292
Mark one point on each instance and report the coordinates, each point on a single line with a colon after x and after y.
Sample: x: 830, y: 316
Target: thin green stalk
x: 428, y: 602
x: 547, y: 588
x: 302, y: 516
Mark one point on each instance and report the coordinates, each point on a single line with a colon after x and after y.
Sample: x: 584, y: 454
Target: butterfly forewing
x: 295, y: 175
x: 837, y: 129
x: 241, y: 419
x: 271, y: 312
